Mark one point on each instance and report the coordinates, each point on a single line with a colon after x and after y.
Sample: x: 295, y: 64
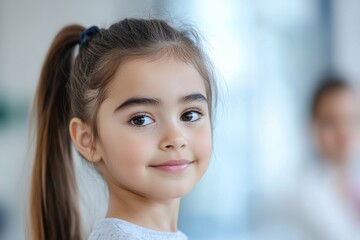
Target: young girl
x: 136, y: 101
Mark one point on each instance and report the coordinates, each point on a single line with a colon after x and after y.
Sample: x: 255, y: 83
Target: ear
x: 82, y: 137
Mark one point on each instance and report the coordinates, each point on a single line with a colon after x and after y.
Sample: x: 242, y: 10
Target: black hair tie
x: 87, y: 34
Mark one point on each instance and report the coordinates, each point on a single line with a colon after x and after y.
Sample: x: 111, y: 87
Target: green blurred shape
x: 4, y: 112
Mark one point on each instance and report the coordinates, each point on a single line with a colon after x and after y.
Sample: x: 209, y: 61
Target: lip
x: 173, y: 166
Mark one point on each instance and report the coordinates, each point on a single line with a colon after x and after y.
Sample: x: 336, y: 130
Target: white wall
x: 27, y: 28
x: 347, y: 37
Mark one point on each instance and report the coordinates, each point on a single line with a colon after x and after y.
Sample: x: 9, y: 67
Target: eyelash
x: 138, y: 115
x: 196, y: 110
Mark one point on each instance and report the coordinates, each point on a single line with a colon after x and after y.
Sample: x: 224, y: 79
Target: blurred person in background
x: 335, y: 117
x: 331, y: 183
x: 324, y: 201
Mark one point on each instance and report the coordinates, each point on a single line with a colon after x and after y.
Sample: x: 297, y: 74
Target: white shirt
x: 117, y: 229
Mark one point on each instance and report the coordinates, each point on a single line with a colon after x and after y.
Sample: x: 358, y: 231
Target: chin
x: 177, y: 188
x: 178, y: 191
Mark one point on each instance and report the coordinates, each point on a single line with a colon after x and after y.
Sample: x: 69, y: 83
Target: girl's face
x: 154, y: 128
x: 336, y: 125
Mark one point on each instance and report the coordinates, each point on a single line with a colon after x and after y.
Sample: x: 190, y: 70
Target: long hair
x: 74, y: 85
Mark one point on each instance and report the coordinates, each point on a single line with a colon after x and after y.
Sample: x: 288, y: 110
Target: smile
x: 173, y: 166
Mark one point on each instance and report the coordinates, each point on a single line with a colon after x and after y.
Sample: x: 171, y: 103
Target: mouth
x: 173, y: 166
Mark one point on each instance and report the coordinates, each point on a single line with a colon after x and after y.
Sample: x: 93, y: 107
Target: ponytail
x: 53, y: 206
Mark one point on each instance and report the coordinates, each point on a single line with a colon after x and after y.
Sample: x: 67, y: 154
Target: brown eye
x: 141, y: 120
x: 190, y: 116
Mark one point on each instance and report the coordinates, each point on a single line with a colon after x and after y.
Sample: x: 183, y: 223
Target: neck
x: 155, y: 214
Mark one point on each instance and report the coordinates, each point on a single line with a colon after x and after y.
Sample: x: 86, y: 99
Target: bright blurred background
x: 269, y: 55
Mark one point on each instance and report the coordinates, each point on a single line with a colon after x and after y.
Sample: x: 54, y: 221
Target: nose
x: 173, y: 139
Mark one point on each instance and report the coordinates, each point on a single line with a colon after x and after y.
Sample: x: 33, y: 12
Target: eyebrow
x: 136, y: 101
x: 196, y: 97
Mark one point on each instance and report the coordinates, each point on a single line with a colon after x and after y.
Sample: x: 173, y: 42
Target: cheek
x: 326, y: 137
x: 127, y: 151
x: 203, y: 143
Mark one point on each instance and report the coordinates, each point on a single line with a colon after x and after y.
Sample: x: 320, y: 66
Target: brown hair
x: 75, y: 86
x: 329, y: 83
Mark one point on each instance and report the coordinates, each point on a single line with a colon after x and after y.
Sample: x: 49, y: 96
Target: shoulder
x: 117, y: 229
x: 108, y: 229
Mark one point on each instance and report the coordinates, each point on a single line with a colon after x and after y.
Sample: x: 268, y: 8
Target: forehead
x: 164, y: 77
x: 341, y: 101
